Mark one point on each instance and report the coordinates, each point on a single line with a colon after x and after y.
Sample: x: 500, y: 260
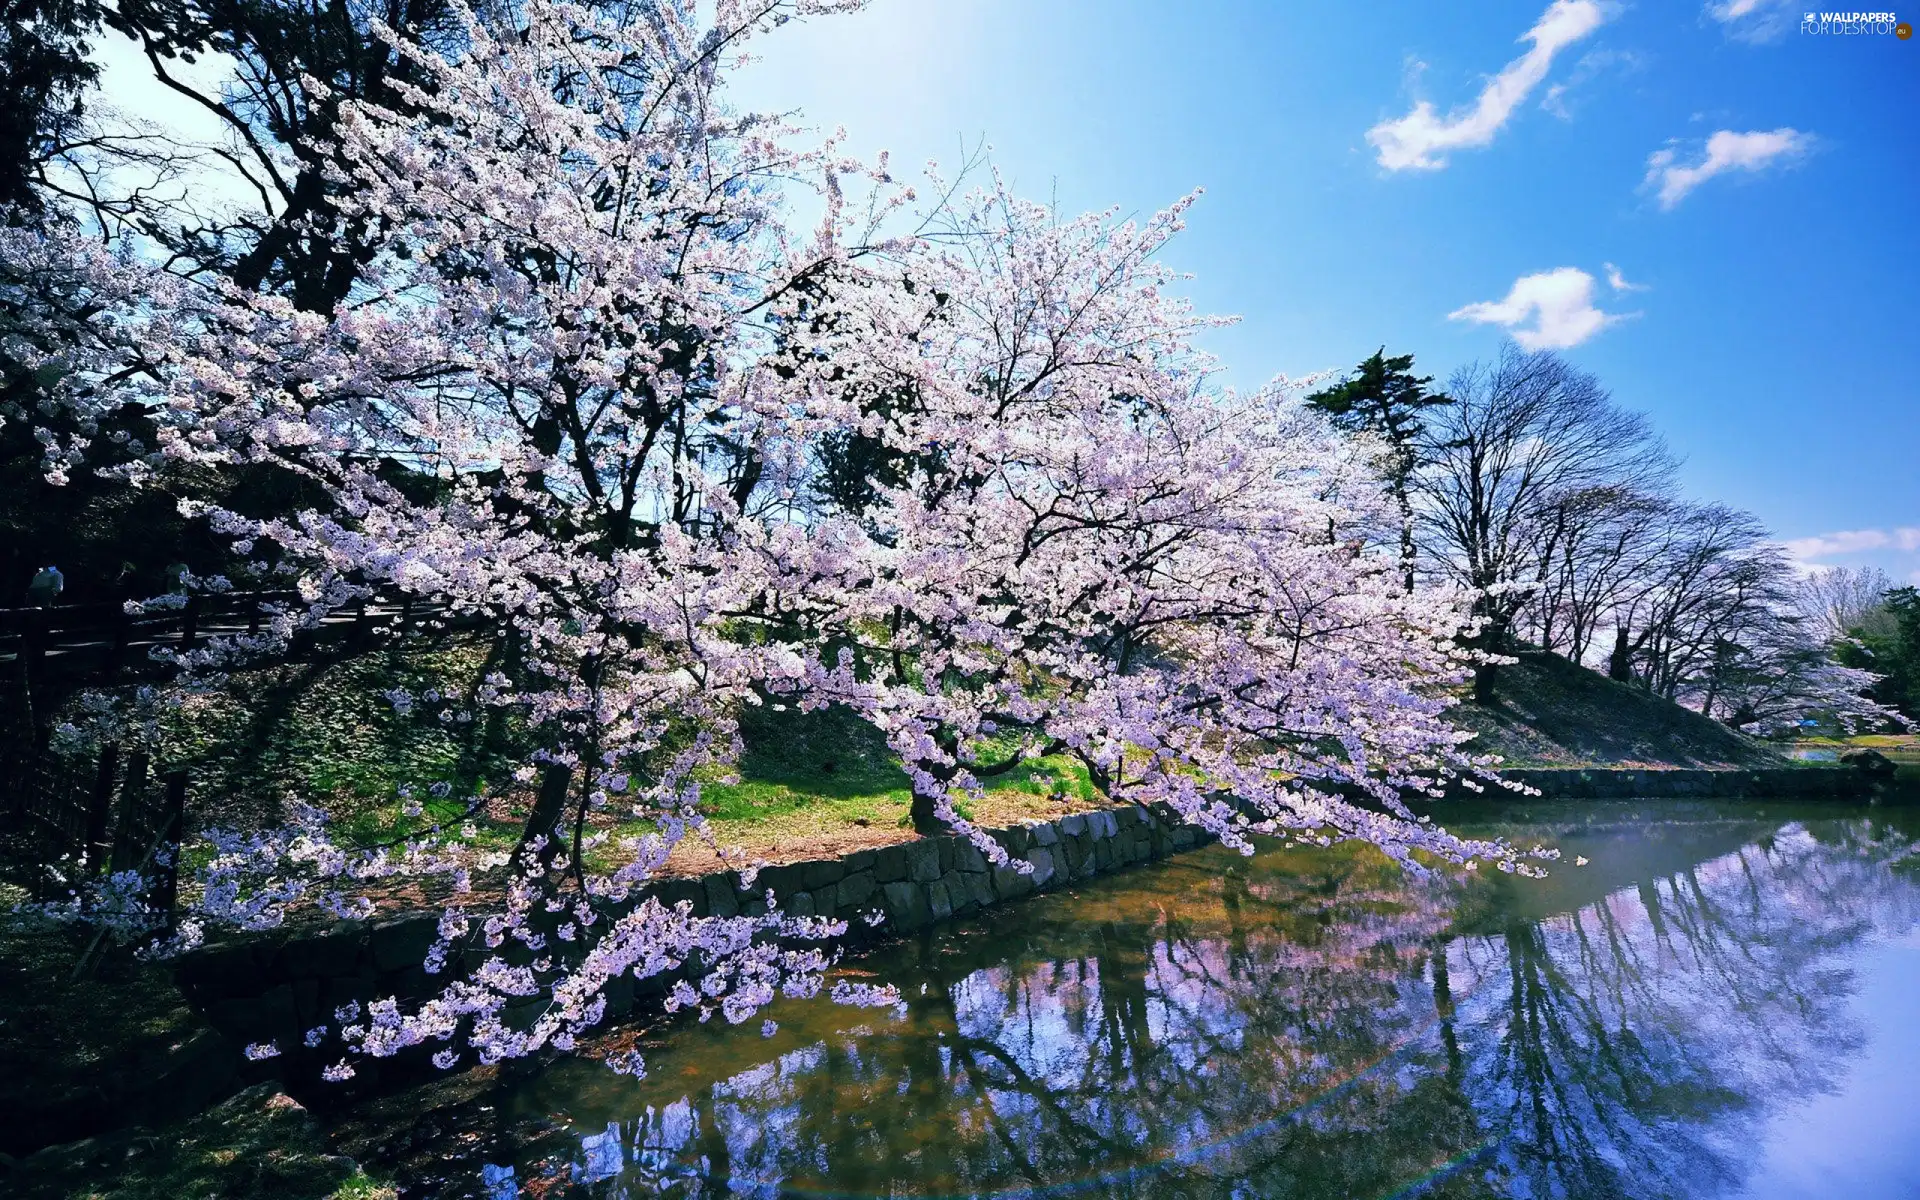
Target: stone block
x: 619, y: 992
x: 923, y: 860
x: 1103, y: 855
x: 256, y: 1018
x: 721, y: 887
x: 306, y: 1001
x: 402, y: 941
x: 821, y: 872
x: 335, y: 951
x: 939, y: 901
x: 1009, y: 883
x: 854, y: 891
x: 959, y: 891
x: 783, y: 880
x: 890, y: 863
x: 1070, y: 854
x: 1042, y: 860
x: 411, y: 983
x: 1016, y: 839
x: 980, y: 889
x: 823, y: 902
x: 225, y: 969
x: 967, y: 857
x: 859, y: 860
x: 906, y: 905
x: 801, y: 906
x: 1073, y: 824
x: 1046, y: 834
x: 670, y: 892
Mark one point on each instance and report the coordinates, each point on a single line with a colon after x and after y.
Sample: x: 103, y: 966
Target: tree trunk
x: 1406, y: 531
x: 544, y: 820
x: 1484, y: 675
x: 1620, y: 662
x: 926, y: 822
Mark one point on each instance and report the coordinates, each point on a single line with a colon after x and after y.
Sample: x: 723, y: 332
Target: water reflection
x: 1298, y: 1024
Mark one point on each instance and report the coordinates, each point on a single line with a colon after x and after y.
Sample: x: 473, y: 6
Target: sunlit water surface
x: 1725, y: 1002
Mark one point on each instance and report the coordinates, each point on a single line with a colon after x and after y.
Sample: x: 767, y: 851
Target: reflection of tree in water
x: 1632, y: 1047
x: 1298, y: 1025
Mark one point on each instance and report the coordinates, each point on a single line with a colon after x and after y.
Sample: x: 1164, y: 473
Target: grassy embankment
x: 1549, y: 712
x: 807, y: 785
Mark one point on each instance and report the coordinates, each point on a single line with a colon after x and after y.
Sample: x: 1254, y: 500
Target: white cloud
x: 1853, y: 541
x: 1726, y: 151
x: 1618, y: 282
x: 1422, y: 138
x: 1754, y: 20
x: 1592, y: 65
x: 1558, y: 303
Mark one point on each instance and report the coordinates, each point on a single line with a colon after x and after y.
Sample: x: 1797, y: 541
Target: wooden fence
x: 109, y: 809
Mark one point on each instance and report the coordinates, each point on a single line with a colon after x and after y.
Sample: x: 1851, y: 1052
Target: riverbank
x: 1310, y: 1022
x: 267, y: 987
x: 1640, y: 783
x: 271, y: 987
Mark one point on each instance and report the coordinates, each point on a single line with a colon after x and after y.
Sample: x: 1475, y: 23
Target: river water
x: 1723, y: 1002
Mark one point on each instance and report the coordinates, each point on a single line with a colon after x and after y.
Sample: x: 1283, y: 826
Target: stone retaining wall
x: 273, y: 987
x: 1618, y: 783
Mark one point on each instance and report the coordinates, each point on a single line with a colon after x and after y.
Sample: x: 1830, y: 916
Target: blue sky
x: 1774, y: 329
x: 1384, y: 174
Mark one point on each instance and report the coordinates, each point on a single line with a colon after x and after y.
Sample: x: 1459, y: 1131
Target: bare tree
x: 1837, y: 600
x: 1506, y: 466
x: 1716, y: 578
x: 1604, y: 547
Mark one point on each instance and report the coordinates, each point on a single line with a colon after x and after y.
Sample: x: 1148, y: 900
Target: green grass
x: 327, y: 733
x: 806, y: 779
x: 832, y: 762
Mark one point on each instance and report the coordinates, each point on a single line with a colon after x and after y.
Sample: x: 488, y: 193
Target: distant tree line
x: 1562, y: 512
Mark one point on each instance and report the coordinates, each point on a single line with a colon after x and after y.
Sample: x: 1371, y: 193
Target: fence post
x: 190, y: 629
x: 33, y: 639
x: 100, y: 808
x: 127, y: 837
x: 122, y: 634
x: 166, y: 888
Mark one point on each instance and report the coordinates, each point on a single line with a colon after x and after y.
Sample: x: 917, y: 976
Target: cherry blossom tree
x: 955, y: 466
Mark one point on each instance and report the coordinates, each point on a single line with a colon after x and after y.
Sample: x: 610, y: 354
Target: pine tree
x: 1385, y: 398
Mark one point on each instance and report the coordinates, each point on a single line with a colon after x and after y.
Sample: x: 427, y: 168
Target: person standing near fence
x: 46, y: 587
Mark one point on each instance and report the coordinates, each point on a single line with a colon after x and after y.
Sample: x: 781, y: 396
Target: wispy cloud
x: 1905, y: 539
x: 1592, y: 65
x: 1618, y: 282
x: 1551, y: 310
x: 1726, y: 151
x: 1421, y: 139
x: 1754, y: 20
